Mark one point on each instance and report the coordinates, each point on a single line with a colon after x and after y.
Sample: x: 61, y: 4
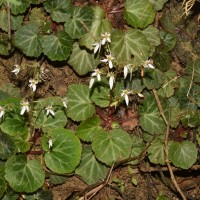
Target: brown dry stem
x: 188, y: 4
x: 95, y: 190
x: 9, y: 25
x: 167, y: 146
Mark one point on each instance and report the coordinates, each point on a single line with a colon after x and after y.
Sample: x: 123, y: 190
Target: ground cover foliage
x: 130, y: 104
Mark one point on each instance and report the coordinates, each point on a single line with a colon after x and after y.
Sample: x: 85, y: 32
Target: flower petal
x: 23, y: 110
x: 91, y: 82
x: 126, y: 99
x: 104, y: 60
x: 111, y: 82
x: 110, y: 64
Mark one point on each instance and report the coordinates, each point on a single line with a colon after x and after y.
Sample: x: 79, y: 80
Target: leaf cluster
x: 63, y: 32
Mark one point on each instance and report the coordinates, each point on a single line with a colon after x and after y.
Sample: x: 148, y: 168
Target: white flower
x: 49, y: 110
x: 109, y: 59
x: 140, y: 95
x: 16, y: 69
x: 50, y: 142
x: 97, y: 73
x: 126, y: 70
x: 111, y: 80
x: 125, y: 94
x: 24, y: 106
x: 91, y: 82
x: 105, y: 38
x: 149, y: 64
x: 2, y: 112
x: 33, y: 84
x: 65, y: 102
x: 97, y: 47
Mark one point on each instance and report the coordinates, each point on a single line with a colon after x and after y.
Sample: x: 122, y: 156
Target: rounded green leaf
x: 168, y: 40
x: 100, y: 93
x: 139, y: 14
x: 10, y: 194
x: 60, y: 10
x: 152, y: 35
x: 82, y: 17
x: 53, y: 101
x: 183, y: 154
x: 11, y: 89
x: 57, y: 179
x: 57, y: 47
x: 88, y: 128
x: 137, y: 148
x: 15, y: 21
x: 4, y: 50
x: 80, y: 106
x: 24, y: 175
x: 65, y: 153
x: 86, y: 61
x: 39, y: 195
x: 128, y: 44
x: 191, y: 119
x: 90, y: 169
x: 23, y: 142
x: 182, y: 93
x: 19, y: 7
x: 14, y: 125
x: 7, y: 146
x: 157, y: 152
x: 194, y: 66
x: 37, y: 16
x: 50, y: 122
x: 2, y: 181
x: 157, y: 4
x: 100, y: 25
x: 162, y: 60
x: 113, y: 146
x: 135, y: 85
x: 169, y: 85
x: 150, y: 119
x: 59, y: 120
x: 153, y: 78
x: 28, y: 40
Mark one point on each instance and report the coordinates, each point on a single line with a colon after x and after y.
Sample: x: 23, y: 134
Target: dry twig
x: 167, y: 146
x: 188, y: 4
x: 9, y: 25
x: 95, y: 190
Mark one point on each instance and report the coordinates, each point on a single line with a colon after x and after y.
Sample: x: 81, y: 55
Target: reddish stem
x: 35, y: 152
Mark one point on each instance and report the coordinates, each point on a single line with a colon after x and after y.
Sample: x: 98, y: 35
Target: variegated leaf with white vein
x: 100, y: 25
x: 139, y: 14
x: 82, y: 60
x: 183, y: 154
x: 80, y: 106
x: 88, y: 128
x: 65, y: 153
x: 150, y: 119
x: 81, y: 18
x: 157, y: 4
x: 128, y: 44
x: 18, y: 7
x: 90, y: 169
x: 113, y: 146
x: 157, y: 152
x: 24, y: 175
x: 28, y: 40
x: 60, y: 10
x: 57, y: 47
